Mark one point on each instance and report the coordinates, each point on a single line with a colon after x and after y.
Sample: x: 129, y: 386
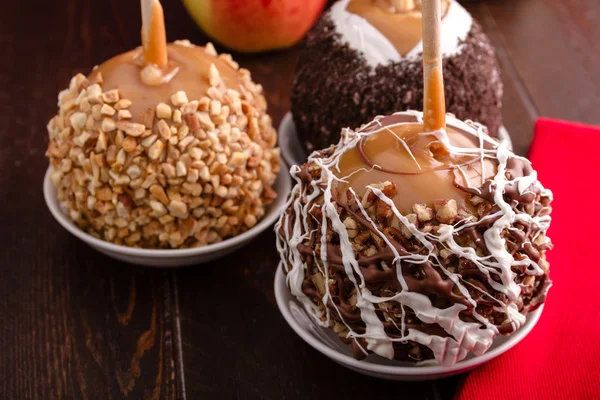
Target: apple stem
x: 434, y: 105
x: 154, y: 37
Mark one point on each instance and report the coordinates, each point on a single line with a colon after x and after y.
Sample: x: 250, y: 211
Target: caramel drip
x: 154, y: 38
x: 402, y: 5
x: 434, y: 102
x: 434, y: 105
x: 123, y: 72
x: 401, y: 27
x: 416, y: 162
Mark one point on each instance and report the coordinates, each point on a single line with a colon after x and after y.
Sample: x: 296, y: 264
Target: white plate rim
x: 270, y: 217
x: 281, y: 292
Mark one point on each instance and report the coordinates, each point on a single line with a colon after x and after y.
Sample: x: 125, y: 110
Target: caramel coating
x: 402, y: 29
x: 431, y: 175
x: 188, y: 65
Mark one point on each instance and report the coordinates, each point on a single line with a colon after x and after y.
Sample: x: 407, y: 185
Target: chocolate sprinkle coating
x: 335, y: 88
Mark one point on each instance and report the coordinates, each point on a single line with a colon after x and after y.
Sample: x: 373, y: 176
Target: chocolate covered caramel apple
x: 417, y: 236
x: 363, y: 59
x: 417, y: 245
x: 165, y: 146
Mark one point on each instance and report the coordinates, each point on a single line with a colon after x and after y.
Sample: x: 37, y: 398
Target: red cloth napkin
x: 560, y: 358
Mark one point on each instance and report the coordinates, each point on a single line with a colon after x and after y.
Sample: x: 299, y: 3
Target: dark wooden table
x: 75, y: 324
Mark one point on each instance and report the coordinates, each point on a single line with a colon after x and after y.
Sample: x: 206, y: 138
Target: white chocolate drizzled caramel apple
x: 417, y: 244
x: 164, y: 156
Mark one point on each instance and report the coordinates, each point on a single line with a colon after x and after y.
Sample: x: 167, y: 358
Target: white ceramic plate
x: 293, y: 152
x: 177, y: 257
x: 328, y: 343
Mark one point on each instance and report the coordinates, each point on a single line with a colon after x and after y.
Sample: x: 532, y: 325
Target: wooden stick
x: 154, y: 37
x: 434, y: 104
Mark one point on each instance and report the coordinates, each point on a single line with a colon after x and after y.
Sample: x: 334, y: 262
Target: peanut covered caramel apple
x: 191, y: 69
x: 167, y: 146
x: 363, y: 59
x: 416, y: 244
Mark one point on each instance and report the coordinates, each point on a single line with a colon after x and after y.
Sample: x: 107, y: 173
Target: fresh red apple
x: 255, y: 25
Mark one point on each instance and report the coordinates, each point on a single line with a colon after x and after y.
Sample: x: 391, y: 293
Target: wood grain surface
x: 77, y: 325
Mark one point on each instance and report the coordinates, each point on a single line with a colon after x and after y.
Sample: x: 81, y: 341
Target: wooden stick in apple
x: 434, y: 104
x: 154, y: 37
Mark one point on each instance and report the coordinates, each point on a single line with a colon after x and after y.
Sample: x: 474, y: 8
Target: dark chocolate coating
x: 335, y: 88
